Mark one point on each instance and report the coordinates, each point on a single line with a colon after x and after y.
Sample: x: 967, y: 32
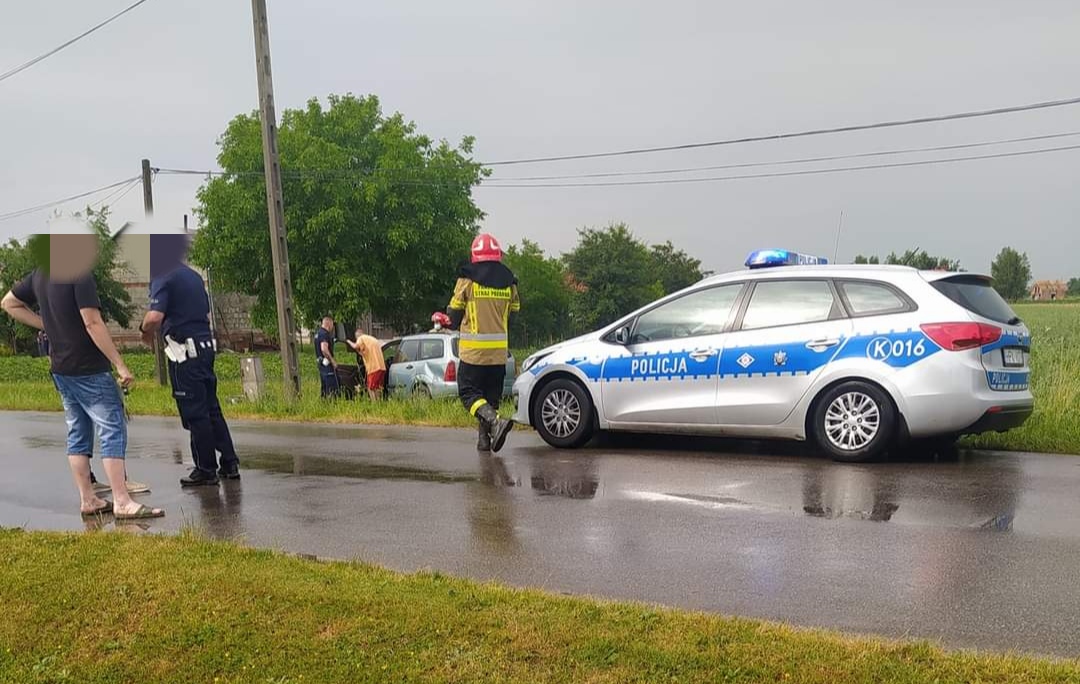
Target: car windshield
x: 977, y: 296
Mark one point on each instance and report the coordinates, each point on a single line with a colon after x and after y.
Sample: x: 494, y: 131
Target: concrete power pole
x: 148, y: 206
x: 279, y: 248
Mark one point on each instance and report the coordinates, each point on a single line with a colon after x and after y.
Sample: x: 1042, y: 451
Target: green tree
x: 613, y: 273
x: 921, y: 259
x: 1074, y: 288
x: 545, y: 295
x: 1011, y: 272
x: 378, y: 216
x: 16, y: 261
x: 675, y: 268
x: 860, y: 259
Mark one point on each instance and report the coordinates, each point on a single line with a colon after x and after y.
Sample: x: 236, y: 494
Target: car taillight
x: 961, y: 336
x: 450, y: 374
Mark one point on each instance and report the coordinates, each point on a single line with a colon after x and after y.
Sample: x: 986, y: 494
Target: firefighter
x: 485, y: 297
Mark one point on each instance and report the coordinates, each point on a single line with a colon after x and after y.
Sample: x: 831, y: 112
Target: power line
x: 784, y: 162
x: 809, y: 172
x: 331, y: 174
x: 54, y: 203
x: 26, y: 65
x: 496, y: 183
x: 118, y: 194
x: 797, y: 134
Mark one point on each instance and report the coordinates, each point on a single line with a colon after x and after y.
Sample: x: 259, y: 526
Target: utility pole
x: 148, y: 206
x: 279, y: 248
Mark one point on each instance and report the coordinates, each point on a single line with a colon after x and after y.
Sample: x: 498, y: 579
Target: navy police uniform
x: 327, y: 375
x: 180, y: 296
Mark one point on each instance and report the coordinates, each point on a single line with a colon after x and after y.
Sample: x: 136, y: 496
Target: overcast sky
x: 550, y: 77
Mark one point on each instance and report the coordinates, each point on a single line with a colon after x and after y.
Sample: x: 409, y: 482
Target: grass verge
x: 114, y: 607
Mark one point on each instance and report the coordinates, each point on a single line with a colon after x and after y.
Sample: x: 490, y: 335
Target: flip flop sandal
x: 143, y: 513
x: 107, y: 508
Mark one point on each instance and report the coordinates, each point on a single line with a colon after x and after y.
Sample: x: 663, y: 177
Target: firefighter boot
x: 484, y: 441
x: 497, y: 428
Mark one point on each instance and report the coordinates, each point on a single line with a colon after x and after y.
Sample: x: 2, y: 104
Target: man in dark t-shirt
x: 82, y: 357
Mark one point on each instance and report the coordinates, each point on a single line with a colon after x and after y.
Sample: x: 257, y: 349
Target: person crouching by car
x: 371, y: 354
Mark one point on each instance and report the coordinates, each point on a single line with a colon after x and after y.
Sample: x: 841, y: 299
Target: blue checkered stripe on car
x: 1008, y: 339
x: 898, y: 349
x: 1008, y: 381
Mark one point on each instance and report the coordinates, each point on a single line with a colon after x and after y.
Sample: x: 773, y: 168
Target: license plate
x: 1013, y: 358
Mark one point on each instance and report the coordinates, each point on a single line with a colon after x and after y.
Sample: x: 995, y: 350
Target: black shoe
x: 499, y: 433
x: 497, y: 428
x: 232, y: 473
x: 483, y: 443
x: 199, y: 478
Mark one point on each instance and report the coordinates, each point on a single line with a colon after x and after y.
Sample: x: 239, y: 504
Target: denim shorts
x: 93, y: 403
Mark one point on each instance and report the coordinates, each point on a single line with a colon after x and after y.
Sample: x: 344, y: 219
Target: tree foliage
x: 675, y: 268
x: 1074, y: 287
x: 546, y: 296
x: 916, y: 258
x: 378, y: 216
x: 615, y: 273
x: 16, y: 262
x: 1011, y: 271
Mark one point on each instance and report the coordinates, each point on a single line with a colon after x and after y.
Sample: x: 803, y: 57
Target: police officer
x: 180, y: 312
x: 324, y: 356
x: 484, y: 298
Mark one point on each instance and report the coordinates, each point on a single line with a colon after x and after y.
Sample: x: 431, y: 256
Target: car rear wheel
x: 854, y: 422
x: 563, y: 414
x: 421, y: 391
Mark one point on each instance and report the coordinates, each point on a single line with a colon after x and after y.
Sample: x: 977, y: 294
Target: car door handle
x: 822, y: 345
x: 409, y: 367
x: 702, y: 354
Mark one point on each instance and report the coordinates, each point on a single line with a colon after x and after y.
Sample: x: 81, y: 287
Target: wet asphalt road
x: 983, y: 551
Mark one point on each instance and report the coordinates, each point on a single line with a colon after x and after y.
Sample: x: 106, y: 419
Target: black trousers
x: 194, y: 387
x: 479, y: 384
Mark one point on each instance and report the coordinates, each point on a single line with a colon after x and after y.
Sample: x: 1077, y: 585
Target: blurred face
x: 328, y: 324
x: 71, y: 256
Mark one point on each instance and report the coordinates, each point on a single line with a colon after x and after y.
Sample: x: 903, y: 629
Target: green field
x: 115, y: 607
x: 1055, y: 427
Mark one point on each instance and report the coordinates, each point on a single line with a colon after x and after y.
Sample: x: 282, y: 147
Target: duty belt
x: 179, y: 352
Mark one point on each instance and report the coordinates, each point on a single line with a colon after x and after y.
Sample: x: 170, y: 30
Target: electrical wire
x: 781, y: 174
x: 118, y: 194
x: 797, y: 134
x: 26, y: 65
x: 54, y: 203
x: 784, y: 162
x: 504, y: 183
x: 354, y: 173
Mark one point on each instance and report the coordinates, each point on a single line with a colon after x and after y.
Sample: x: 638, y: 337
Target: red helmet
x: 486, y: 248
x: 440, y: 319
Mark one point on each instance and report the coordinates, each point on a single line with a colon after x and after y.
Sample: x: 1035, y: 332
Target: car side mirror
x: 622, y: 335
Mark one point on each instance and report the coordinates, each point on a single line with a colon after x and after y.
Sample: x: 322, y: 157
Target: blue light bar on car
x: 764, y: 258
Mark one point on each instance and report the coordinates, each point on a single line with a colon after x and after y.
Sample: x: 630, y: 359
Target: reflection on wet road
x: 983, y: 551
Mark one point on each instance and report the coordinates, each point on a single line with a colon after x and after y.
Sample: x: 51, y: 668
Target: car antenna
x: 839, y: 226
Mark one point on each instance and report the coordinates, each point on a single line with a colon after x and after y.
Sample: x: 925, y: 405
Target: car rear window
x: 871, y: 299
x: 454, y: 347
x: 977, y: 296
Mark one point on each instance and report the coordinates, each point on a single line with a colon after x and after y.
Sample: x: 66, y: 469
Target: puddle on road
x: 292, y: 464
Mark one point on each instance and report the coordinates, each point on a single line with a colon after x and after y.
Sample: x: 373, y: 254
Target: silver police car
x: 855, y: 358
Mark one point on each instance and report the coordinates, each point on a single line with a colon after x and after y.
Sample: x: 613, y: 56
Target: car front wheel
x: 563, y: 414
x: 854, y: 422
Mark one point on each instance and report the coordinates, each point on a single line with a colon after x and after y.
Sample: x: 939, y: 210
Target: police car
x: 855, y: 358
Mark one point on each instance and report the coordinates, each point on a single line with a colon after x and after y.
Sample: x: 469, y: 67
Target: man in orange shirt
x: 371, y: 352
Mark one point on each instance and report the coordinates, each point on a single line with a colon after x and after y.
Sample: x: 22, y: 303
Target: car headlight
x: 530, y: 362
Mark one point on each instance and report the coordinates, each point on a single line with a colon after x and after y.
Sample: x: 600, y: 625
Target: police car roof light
x: 765, y: 258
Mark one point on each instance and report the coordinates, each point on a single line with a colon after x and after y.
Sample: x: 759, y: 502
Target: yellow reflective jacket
x: 484, y: 297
